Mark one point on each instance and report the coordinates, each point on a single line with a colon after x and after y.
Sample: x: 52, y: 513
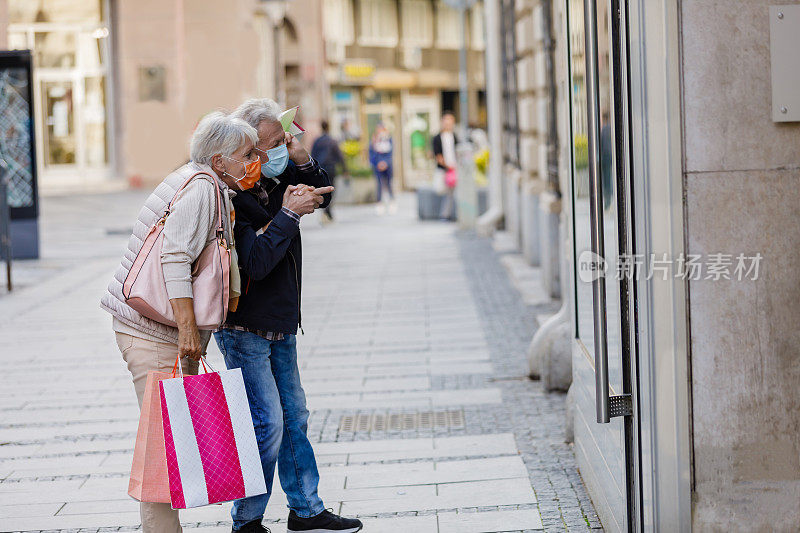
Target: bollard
x: 466, y: 191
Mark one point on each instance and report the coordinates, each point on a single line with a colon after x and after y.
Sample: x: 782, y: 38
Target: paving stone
x: 440, y: 472
x: 489, y: 521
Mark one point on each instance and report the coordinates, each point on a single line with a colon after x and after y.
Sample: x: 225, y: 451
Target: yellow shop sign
x: 358, y: 71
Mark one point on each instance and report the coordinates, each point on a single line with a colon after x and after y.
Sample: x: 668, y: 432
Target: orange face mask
x: 252, y: 173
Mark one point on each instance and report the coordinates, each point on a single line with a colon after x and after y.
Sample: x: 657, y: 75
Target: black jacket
x: 271, y: 263
x: 437, y: 147
x: 327, y: 153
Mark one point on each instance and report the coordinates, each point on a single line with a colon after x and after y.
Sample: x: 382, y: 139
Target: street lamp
x: 466, y: 194
x: 462, y: 6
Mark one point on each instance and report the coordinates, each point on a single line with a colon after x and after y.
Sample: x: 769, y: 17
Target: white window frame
x: 378, y: 21
x: 417, y: 14
x: 448, y: 27
x: 477, y: 40
x: 338, y: 21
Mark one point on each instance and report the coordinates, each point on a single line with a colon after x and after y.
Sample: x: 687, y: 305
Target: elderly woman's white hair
x: 256, y: 110
x: 220, y: 133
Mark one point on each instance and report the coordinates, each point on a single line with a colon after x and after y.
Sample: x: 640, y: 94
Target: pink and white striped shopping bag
x: 212, y: 455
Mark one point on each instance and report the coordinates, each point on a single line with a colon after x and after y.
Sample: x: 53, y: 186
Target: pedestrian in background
x: 349, y: 131
x: 326, y: 152
x: 223, y: 148
x: 444, y: 150
x: 380, y: 158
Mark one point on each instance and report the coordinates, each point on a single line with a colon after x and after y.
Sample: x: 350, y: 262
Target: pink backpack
x: 146, y: 292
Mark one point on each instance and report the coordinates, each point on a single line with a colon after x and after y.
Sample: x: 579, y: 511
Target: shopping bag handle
x: 179, y: 368
x: 206, y: 365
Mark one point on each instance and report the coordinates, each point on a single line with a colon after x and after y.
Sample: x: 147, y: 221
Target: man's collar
x: 268, y: 182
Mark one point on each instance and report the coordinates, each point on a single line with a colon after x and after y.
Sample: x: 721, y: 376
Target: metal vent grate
x: 363, y: 422
x: 620, y: 405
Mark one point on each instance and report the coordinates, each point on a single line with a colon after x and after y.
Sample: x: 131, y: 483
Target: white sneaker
x: 393, y: 207
x: 380, y: 209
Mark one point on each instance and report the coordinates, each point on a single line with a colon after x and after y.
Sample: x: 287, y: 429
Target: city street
x: 413, y: 361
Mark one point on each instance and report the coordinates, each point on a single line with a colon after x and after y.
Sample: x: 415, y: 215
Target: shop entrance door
x: 383, y: 107
x: 605, y: 347
x: 420, y: 124
x: 70, y: 91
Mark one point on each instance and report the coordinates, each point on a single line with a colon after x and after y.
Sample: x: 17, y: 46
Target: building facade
x: 678, y: 184
x: 119, y: 86
x: 396, y: 62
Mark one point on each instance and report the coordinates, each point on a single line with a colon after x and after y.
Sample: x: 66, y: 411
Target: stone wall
x: 531, y: 92
x: 742, y: 190
x: 534, y: 222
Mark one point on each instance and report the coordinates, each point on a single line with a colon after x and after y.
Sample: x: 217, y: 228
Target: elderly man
x: 260, y: 338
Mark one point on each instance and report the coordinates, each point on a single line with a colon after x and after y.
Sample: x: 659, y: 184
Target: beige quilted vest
x: 113, y: 301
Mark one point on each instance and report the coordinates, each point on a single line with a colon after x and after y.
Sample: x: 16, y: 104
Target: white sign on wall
x: 784, y: 33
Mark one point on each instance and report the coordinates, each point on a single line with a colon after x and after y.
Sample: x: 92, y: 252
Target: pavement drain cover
x: 368, y: 422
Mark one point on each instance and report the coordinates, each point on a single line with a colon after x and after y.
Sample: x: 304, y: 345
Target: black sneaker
x: 324, y: 522
x: 252, y: 527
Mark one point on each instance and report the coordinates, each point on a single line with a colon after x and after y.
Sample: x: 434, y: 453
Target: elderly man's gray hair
x: 220, y: 133
x: 256, y: 110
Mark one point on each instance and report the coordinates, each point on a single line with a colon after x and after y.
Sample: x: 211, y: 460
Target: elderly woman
x: 222, y: 147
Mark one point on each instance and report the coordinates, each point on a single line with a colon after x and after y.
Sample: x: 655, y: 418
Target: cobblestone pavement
x: 413, y: 360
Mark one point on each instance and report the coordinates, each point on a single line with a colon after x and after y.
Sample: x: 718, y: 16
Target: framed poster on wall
x: 17, y: 151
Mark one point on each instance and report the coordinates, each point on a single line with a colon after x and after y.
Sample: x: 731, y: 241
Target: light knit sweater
x: 190, y: 226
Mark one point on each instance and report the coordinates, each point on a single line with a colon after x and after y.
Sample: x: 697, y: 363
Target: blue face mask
x: 278, y: 159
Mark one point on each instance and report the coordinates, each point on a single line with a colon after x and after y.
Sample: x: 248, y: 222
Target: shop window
x: 450, y: 103
x: 55, y: 49
x: 95, y: 125
x: 448, y: 27
x: 417, y: 23
x: 378, y: 21
x: 338, y: 21
x: 70, y: 45
x: 55, y: 11
x: 580, y: 171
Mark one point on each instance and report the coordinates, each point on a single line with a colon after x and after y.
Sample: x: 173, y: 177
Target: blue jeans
x: 278, y: 406
x: 384, y: 179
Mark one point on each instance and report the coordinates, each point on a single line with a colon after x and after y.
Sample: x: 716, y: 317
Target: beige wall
x: 742, y: 180
x: 210, y: 53
x: 3, y: 24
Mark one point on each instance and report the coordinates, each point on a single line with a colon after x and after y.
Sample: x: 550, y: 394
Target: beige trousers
x: 142, y: 356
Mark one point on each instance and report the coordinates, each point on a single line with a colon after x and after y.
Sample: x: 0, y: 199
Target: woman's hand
x: 189, y: 344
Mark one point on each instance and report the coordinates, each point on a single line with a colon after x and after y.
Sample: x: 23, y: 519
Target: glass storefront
x: 580, y: 160
x: 601, y: 185
x: 70, y: 44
